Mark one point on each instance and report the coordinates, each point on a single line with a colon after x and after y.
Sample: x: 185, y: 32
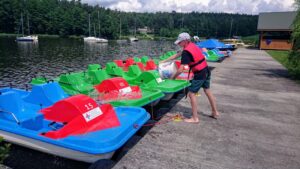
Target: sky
x: 228, y: 6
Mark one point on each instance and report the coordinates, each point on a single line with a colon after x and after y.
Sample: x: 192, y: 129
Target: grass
x: 4, y: 150
x: 251, y: 40
x: 280, y: 56
x: 40, y: 35
x: 48, y: 36
x: 7, y: 35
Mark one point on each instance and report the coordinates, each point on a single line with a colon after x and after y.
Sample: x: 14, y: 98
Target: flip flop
x: 214, y: 117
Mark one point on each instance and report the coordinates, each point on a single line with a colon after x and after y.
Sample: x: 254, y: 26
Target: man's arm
x: 172, y: 57
x: 179, y: 71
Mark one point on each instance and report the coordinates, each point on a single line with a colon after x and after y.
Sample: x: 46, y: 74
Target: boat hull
x: 133, y: 39
x: 53, y: 149
x: 102, y: 40
x: 27, y: 39
x: 75, y: 127
x: 88, y: 147
x: 96, y: 40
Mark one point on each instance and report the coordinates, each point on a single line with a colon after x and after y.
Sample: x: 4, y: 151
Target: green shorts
x: 197, y: 84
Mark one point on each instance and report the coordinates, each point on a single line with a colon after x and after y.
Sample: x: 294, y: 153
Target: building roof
x: 279, y: 21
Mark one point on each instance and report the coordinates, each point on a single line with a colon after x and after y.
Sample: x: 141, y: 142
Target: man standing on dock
x: 192, y: 56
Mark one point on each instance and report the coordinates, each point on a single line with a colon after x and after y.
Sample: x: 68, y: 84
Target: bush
x: 294, y: 64
x: 4, y: 149
x: 294, y: 57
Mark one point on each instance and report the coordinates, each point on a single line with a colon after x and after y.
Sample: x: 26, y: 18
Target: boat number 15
x: 89, y: 106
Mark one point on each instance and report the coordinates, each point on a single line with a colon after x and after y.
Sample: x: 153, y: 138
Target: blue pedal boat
x: 76, y: 127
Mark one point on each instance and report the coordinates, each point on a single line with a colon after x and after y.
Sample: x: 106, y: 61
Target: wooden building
x: 275, y: 29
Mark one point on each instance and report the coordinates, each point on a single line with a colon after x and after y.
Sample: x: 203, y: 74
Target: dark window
x: 277, y: 35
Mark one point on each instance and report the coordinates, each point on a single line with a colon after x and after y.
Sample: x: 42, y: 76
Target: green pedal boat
x: 86, y: 82
x: 147, y: 79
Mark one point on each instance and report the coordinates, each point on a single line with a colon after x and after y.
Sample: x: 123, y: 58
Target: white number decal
x: 125, y: 90
x: 89, y: 106
x: 92, y: 114
x: 159, y: 80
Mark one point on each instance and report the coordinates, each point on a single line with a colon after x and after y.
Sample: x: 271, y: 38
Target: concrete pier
x: 259, y: 126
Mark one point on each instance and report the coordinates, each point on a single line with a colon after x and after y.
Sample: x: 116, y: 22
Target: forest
x: 71, y: 17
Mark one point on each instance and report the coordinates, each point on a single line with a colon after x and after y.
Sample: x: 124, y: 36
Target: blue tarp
x: 212, y: 44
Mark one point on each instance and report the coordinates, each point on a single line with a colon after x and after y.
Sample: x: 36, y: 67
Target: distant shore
x: 250, y: 40
x: 142, y: 37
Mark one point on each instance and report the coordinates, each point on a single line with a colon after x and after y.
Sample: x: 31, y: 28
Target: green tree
x: 70, y: 17
x: 294, y: 56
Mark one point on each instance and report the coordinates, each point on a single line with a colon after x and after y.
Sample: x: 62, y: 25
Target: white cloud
x: 129, y: 5
x: 227, y: 6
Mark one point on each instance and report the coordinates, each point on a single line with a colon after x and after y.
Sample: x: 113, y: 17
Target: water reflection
x: 27, y: 45
x: 91, y: 47
x: 19, y: 62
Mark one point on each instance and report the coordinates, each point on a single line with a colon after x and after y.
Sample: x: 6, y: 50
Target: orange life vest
x: 199, y: 62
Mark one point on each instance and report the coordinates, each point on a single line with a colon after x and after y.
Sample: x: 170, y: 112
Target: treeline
x: 70, y: 17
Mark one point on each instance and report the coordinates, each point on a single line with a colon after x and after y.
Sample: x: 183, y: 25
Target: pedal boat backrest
x: 79, y: 114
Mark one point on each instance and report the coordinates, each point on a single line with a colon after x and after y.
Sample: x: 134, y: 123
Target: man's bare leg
x: 212, y: 102
x: 195, y: 118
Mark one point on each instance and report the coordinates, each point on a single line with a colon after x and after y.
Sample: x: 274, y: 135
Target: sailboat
x: 134, y: 39
x: 90, y: 38
x: 29, y: 38
x: 94, y: 38
x: 101, y: 40
x: 120, y: 40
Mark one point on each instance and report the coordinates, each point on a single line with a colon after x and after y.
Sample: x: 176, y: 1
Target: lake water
x: 21, y: 61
